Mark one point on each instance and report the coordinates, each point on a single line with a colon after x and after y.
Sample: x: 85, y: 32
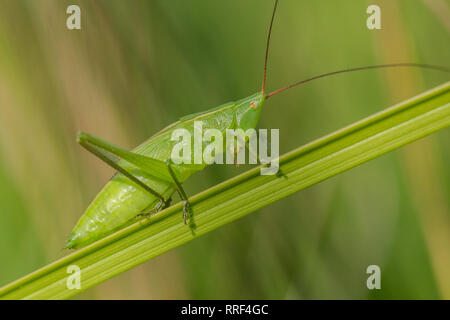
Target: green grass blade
x: 230, y: 200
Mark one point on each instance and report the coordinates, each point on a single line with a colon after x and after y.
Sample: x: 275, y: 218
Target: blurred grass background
x: 137, y: 66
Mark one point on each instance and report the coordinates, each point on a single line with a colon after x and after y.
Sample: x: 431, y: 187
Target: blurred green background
x: 136, y: 66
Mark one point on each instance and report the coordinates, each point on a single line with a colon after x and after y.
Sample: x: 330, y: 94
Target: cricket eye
x: 253, y: 105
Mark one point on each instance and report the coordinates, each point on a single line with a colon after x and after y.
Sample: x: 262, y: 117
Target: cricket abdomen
x: 115, y: 207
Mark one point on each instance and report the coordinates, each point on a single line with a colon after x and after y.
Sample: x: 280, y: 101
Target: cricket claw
x: 162, y: 204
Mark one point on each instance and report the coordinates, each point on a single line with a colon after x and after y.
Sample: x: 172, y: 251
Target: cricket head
x: 248, y: 111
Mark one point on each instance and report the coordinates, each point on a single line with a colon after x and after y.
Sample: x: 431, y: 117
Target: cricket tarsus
x: 161, y: 205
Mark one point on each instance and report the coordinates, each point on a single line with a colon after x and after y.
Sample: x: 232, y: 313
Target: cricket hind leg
x: 159, y: 207
x: 97, y: 147
x: 181, y: 193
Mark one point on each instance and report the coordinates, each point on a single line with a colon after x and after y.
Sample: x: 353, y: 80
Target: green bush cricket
x: 146, y: 178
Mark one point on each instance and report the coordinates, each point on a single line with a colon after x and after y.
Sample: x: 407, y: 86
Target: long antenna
x: 417, y: 65
x: 267, y: 47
